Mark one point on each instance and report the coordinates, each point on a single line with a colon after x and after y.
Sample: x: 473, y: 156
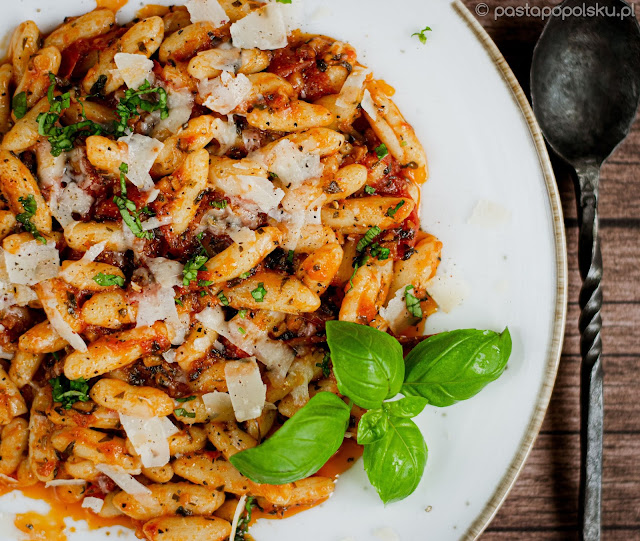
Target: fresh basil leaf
x: 372, y: 426
x: 108, y: 279
x: 396, y: 462
x: 367, y: 362
x: 454, y: 366
x: 69, y: 391
x: 301, y: 447
x: 19, y: 105
x: 181, y: 412
x: 408, y: 407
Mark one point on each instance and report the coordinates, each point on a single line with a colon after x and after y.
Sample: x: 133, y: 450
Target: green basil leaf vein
x: 367, y: 363
x: 395, y: 463
x: 301, y: 447
x: 457, y: 365
x: 408, y: 407
x: 372, y: 426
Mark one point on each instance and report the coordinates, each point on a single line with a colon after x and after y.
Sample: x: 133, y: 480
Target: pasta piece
x: 181, y: 528
x: 357, y: 216
x: 89, y: 25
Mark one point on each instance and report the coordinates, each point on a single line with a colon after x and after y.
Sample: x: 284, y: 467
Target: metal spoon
x: 585, y: 87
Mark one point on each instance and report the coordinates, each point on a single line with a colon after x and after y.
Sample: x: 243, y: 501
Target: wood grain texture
x: 543, y: 504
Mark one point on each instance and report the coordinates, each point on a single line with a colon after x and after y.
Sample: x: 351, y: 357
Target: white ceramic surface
x: 480, y: 147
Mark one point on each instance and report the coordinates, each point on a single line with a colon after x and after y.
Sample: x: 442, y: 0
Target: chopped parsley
x: 290, y: 255
x: 241, y: 330
x: 379, y: 252
x: 19, y: 104
x: 368, y: 238
x: 30, y: 207
x: 69, y: 391
x: 128, y: 106
x: 360, y: 262
x: 219, y: 204
x: 284, y: 1
x: 178, y: 302
x: 326, y: 369
x: 186, y: 399
x: 369, y: 190
x: 131, y: 217
x: 391, y: 212
x: 382, y: 151
x: 205, y: 283
x: 422, y: 36
x: 108, y: 279
x: 242, y: 313
x: 412, y: 302
x: 124, y: 169
x: 245, y: 518
x: 223, y: 299
x: 181, y: 412
x: 259, y: 293
x: 191, y: 268
x: 245, y: 275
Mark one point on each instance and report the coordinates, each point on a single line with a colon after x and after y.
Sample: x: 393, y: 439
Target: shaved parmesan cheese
x: 168, y: 427
x: 94, y: 504
x: 352, y: 87
x: 135, y: 69
x: 50, y: 306
x: 247, y: 392
x: 32, y: 263
x: 169, y: 356
x: 265, y: 28
x: 4, y: 354
x: 225, y: 133
x: 8, y: 479
x: 64, y: 482
x: 223, y: 94
x: 94, y: 251
x: 24, y: 295
x: 180, y: 105
x: 448, y: 291
x: 148, y: 438
x: 207, y: 11
x: 142, y: 152
x: 292, y: 165
x: 72, y: 199
x: 217, y: 404
x: 168, y: 273
x: 158, y: 304
x: 124, y: 480
x: 253, y: 188
x: 396, y: 313
x: 154, y: 223
x: 237, y: 514
x: 489, y: 215
x: 369, y: 106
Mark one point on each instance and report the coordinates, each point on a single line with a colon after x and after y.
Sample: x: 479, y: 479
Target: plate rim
x: 554, y: 351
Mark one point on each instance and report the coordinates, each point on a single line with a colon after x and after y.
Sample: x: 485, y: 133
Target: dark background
x: 543, y: 503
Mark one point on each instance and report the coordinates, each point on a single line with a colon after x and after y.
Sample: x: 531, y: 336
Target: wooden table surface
x: 543, y: 502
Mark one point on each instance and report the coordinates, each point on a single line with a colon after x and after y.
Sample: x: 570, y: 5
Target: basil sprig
x: 368, y: 366
x: 301, y: 447
x: 369, y: 369
x: 453, y: 366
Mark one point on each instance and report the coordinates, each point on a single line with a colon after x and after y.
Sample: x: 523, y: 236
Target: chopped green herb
x: 219, y: 204
x: 56, y: 355
x: 223, y: 299
x: 186, y: 399
x: 422, y: 36
x: 368, y: 238
x: 326, y: 369
x: 181, y: 412
x: 128, y: 106
x: 284, y: 1
x: 404, y: 143
x: 131, y: 217
x: 379, y: 252
x: 19, y: 104
x: 30, y: 207
x: 290, y: 256
x: 69, y: 391
x: 242, y: 313
x: 392, y: 211
x: 178, y: 301
x: 242, y: 331
x: 245, y: 519
x: 191, y: 268
x: 259, y: 293
x: 382, y: 151
x: 245, y: 275
x: 124, y: 169
x: 412, y: 302
x: 361, y: 262
x: 205, y: 283
x: 369, y: 189
x: 108, y: 279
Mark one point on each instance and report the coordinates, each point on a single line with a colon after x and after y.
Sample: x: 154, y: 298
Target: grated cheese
x: 135, y: 69
x: 207, y: 11
x: 448, y: 291
x: 50, y: 306
x: 72, y: 199
x: 292, y: 165
x: 149, y: 439
x: 142, y: 153
x: 32, y: 263
x: 256, y: 189
x: 94, y: 504
x: 352, y: 87
x: 157, y: 304
x: 224, y: 93
x: 265, y: 28
x: 396, y: 313
x: 225, y: 133
x: 217, y: 404
x: 154, y: 223
x: 242, y: 236
x: 180, y: 105
x: 369, y: 106
x: 167, y: 273
x: 246, y: 390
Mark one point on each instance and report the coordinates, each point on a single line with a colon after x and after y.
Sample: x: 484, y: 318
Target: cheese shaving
x: 252, y: 188
x: 126, y: 482
x: 135, y: 69
x: 180, y: 105
x: 224, y: 93
x: 352, y: 87
x: 265, y: 28
x: 149, y: 439
x: 64, y: 482
x: 369, y: 106
x: 236, y: 516
x: 72, y: 200
x: 207, y: 11
x: 142, y: 153
x: 32, y: 263
x: 154, y: 223
x: 246, y: 390
x: 50, y: 306
x: 157, y: 304
x: 94, y: 504
x: 396, y: 313
x: 217, y: 404
x: 448, y: 291
x: 292, y: 165
x: 167, y: 273
x: 94, y: 251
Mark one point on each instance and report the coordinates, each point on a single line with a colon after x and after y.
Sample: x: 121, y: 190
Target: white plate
x: 482, y: 143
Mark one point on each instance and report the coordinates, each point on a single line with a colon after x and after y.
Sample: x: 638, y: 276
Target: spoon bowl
x: 585, y: 81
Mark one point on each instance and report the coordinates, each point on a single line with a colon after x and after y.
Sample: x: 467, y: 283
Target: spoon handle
x: 591, y: 376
